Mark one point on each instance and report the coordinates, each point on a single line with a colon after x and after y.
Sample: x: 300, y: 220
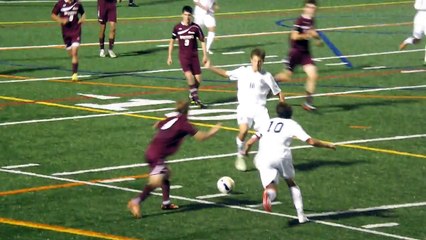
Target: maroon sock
x: 101, y: 43
x: 193, y: 90
x: 166, y: 190
x: 74, y: 67
x: 145, y: 193
x: 111, y: 43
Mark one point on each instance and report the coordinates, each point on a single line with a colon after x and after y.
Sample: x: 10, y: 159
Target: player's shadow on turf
x: 142, y: 52
x: 354, y: 106
x: 383, y: 213
x: 27, y: 70
x: 312, y: 165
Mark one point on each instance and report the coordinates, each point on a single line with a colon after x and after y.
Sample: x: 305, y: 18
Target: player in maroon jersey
x: 66, y: 12
x: 186, y: 33
x: 170, y: 135
x: 299, y: 54
x: 107, y: 12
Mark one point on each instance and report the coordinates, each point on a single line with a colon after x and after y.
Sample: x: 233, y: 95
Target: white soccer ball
x: 225, y: 184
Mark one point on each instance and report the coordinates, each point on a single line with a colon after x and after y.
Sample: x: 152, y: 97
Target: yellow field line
x: 225, y: 13
x: 12, y: 76
x: 383, y: 150
x: 65, y: 185
x: 104, y: 111
x: 56, y: 228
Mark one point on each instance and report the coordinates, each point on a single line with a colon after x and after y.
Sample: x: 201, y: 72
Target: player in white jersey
x: 254, y: 85
x: 204, y: 16
x: 419, y: 29
x: 274, y: 157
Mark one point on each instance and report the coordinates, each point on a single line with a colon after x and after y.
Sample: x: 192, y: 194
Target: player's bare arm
x: 203, y: 46
x: 201, y: 135
x: 58, y: 19
x: 218, y: 71
x: 82, y: 19
x: 171, y: 45
x: 295, y: 35
x: 318, y: 143
x: 281, y: 97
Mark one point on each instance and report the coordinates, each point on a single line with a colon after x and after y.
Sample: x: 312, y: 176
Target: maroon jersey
x: 69, y: 10
x: 302, y: 25
x: 187, y: 37
x: 169, y: 137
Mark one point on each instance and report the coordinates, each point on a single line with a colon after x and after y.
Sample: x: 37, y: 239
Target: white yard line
x: 212, y: 196
x: 211, y: 203
x: 228, y: 155
x: 372, y: 68
x: 261, y: 204
x: 379, y: 225
x: 233, y: 53
x: 212, y: 105
x: 221, y: 66
x: 21, y: 166
x: 335, y: 64
x: 413, y: 71
x: 370, y: 209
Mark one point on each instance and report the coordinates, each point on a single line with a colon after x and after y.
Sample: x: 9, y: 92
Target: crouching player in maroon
x: 187, y: 32
x: 66, y: 13
x: 170, y: 135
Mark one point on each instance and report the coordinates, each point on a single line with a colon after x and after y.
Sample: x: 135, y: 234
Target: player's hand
x: 207, y: 64
x: 319, y: 43
x: 64, y: 21
x: 169, y: 61
x: 205, y: 59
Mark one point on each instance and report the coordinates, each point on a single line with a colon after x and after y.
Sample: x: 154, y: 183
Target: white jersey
x: 206, y: 3
x: 253, y: 87
x: 276, y: 138
x: 420, y: 5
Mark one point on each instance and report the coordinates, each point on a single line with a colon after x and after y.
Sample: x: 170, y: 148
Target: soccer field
x: 71, y: 153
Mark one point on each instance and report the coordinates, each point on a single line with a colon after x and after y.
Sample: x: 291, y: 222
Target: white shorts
x: 205, y: 20
x: 249, y: 114
x: 271, y: 169
x: 419, y: 29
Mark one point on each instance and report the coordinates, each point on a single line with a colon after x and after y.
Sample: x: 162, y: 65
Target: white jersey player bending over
x: 254, y: 85
x: 419, y: 29
x: 204, y: 16
x: 274, y: 157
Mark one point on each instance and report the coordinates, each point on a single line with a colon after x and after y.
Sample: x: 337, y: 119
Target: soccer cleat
x: 266, y: 202
x: 74, y: 77
x: 200, y: 104
x: 209, y: 52
x: 402, y: 46
x: 170, y: 206
x: 132, y: 4
x: 102, y: 53
x: 112, y: 54
x: 135, y: 209
x: 302, y: 218
x: 240, y: 163
x: 308, y: 107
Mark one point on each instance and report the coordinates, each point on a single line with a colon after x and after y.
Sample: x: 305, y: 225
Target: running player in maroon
x: 107, y: 12
x: 170, y: 135
x: 66, y: 12
x: 300, y: 54
x: 187, y: 32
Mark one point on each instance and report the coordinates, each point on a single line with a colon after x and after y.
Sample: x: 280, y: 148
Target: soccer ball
x: 225, y: 184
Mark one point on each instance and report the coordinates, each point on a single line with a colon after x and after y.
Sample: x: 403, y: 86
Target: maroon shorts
x: 191, y: 64
x: 107, y: 12
x: 298, y: 58
x: 71, y: 39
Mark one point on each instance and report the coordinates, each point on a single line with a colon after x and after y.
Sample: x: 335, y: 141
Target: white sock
x: 166, y: 202
x: 240, y: 146
x: 296, y: 194
x: 272, y: 194
x: 210, y: 39
x: 409, y: 40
